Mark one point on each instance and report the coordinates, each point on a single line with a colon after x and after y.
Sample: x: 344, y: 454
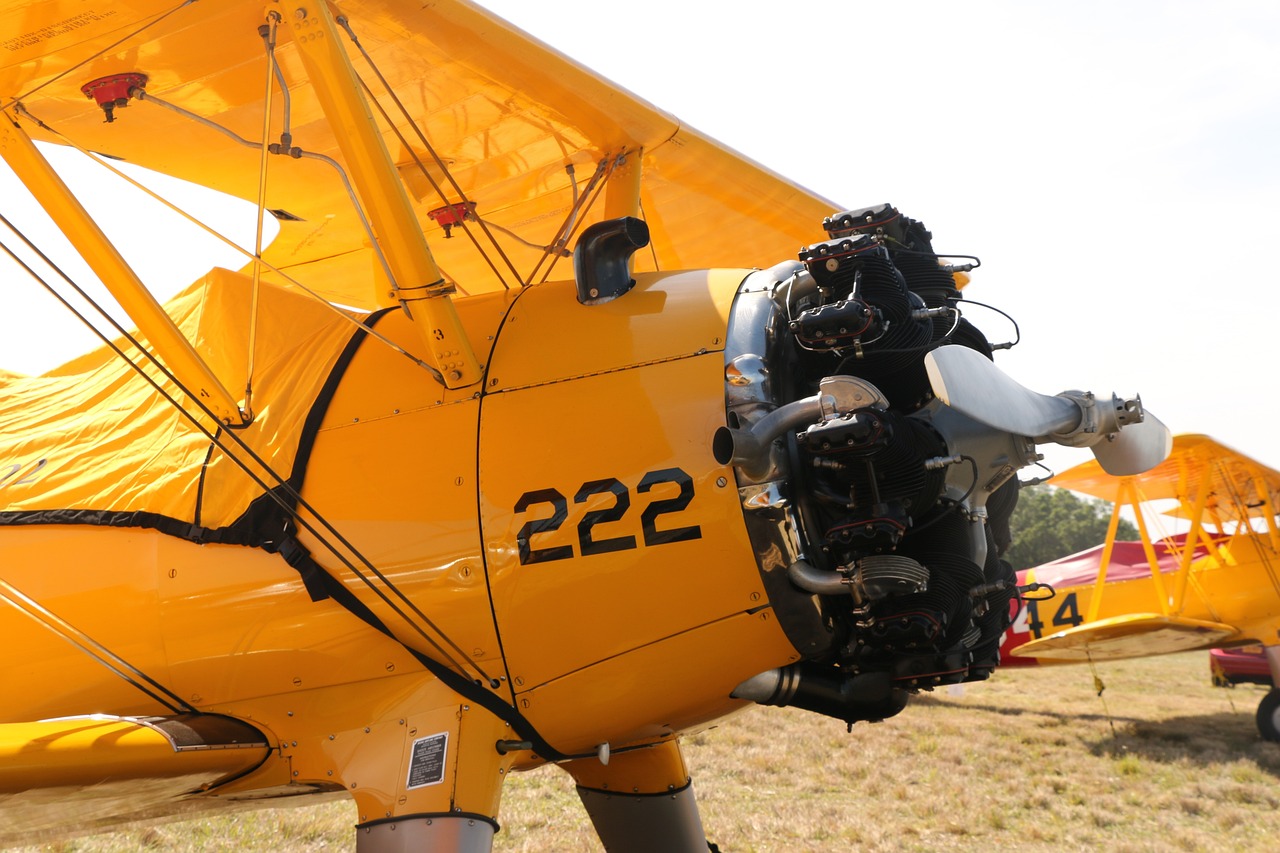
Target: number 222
x: 587, y: 543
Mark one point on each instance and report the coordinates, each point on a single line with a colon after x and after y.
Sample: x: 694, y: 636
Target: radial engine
x: 877, y: 512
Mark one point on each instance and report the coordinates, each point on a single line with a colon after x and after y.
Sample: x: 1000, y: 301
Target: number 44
x: 1066, y: 616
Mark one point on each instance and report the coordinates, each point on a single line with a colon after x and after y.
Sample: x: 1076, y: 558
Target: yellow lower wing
x: 1129, y: 636
x: 76, y: 770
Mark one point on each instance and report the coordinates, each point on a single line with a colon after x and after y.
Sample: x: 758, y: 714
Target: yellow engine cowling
x: 582, y: 491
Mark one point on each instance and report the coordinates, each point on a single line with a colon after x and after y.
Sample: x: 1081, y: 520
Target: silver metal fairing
x: 767, y: 504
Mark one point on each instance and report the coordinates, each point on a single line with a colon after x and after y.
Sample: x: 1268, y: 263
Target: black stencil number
x: 621, y: 502
x: 588, y: 542
x: 560, y: 511
x: 649, y: 518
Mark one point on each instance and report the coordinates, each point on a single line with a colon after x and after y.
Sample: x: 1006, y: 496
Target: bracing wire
x: 440, y: 192
x: 1242, y: 509
x: 585, y: 202
x: 280, y: 500
x: 269, y: 40
x: 284, y: 276
x: 28, y: 606
x: 553, y: 249
x: 343, y: 22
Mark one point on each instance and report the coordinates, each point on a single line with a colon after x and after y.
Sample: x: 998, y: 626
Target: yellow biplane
x: 528, y: 439
x: 1213, y: 583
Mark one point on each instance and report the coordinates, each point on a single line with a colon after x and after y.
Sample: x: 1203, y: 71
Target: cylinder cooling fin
x: 878, y: 514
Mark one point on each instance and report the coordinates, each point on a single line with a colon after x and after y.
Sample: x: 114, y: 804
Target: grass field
x: 1030, y: 760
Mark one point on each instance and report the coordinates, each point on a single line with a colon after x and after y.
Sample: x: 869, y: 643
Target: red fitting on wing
x: 453, y: 214
x: 114, y: 90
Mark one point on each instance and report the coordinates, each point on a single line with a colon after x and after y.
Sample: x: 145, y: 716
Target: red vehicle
x: 1243, y: 665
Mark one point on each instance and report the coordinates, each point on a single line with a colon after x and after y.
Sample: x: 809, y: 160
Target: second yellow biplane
x: 1205, y: 574
x: 389, y: 520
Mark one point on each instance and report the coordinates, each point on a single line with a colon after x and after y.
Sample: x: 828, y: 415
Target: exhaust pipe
x: 868, y: 697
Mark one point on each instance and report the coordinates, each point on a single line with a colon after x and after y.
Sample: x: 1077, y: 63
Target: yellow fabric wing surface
x: 504, y: 112
x: 1237, y: 484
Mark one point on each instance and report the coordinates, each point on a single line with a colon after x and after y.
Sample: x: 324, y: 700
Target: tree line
x: 1050, y: 523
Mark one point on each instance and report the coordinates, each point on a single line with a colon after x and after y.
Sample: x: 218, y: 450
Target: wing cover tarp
x: 93, y: 442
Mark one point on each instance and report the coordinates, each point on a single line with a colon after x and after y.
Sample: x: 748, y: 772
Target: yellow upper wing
x: 1236, y: 484
x: 505, y: 113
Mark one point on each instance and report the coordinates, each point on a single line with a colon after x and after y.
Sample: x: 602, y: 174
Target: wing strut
x: 417, y: 284
x: 119, y: 278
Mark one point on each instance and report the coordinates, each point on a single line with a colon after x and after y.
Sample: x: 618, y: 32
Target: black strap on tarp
x: 267, y: 523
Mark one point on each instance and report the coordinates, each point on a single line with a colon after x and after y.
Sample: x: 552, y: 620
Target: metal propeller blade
x: 970, y: 383
x: 1136, y: 448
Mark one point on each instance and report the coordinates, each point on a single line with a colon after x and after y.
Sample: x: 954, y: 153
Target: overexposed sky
x: 1114, y: 165
x: 38, y: 332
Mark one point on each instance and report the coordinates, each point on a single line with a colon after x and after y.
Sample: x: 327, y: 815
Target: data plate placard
x: 427, y: 761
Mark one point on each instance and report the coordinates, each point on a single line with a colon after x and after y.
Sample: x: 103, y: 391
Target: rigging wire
x: 554, y: 249
x: 288, y: 279
x: 514, y: 236
x: 45, y: 617
x: 342, y: 21
x: 297, y: 154
x: 268, y: 33
x: 291, y: 511
x: 604, y: 169
x: 440, y: 192
x: 1242, y: 508
x: 572, y: 220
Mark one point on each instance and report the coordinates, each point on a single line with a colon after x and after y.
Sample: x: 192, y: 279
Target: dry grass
x: 1029, y: 760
